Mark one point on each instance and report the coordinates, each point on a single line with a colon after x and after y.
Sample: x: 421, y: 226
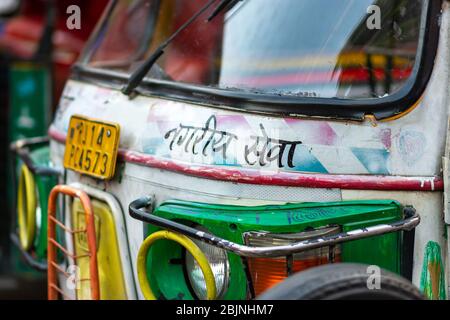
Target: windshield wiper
x: 137, y: 76
x: 224, y: 4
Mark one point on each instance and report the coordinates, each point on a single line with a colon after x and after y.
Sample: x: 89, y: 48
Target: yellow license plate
x: 91, y: 147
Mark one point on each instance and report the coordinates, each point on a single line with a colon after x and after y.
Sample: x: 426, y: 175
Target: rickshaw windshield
x: 348, y: 49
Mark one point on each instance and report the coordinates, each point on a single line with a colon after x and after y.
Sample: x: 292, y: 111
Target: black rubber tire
x: 342, y: 281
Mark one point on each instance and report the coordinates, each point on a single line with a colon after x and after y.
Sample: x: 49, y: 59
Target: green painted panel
x: 230, y: 222
x: 432, y: 281
x: 382, y: 251
x: 44, y: 186
x: 30, y: 99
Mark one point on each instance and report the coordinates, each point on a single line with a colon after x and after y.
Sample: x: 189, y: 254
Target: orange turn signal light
x: 267, y: 272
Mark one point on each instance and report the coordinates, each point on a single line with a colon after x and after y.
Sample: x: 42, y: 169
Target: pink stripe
x: 313, y: 132
x: 290, y: 179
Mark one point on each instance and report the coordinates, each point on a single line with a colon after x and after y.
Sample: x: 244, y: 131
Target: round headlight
x: 218, y: 260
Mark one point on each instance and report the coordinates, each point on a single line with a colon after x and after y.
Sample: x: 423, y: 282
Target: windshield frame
x: 287, y: 106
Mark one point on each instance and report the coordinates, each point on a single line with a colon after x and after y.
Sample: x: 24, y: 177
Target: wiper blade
x: 137, y: 76
x: 224, y: 4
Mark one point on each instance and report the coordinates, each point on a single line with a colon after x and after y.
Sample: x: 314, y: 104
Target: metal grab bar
x: 32, y: 262
x: 21, y: 148
x: 412, y: 219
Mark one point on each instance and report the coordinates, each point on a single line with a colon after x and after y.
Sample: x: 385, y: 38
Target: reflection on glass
x: 312, y: 48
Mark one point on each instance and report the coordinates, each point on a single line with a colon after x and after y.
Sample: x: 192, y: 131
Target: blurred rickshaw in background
x: 37, y: 50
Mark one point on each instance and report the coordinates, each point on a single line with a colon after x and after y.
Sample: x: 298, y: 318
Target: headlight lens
x: 218, y: 261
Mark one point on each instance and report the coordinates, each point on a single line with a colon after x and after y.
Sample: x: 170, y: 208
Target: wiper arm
x: 224, y: 4
x: 137, y: 76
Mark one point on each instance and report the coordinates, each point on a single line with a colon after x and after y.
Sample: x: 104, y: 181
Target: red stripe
x: 289, y: 179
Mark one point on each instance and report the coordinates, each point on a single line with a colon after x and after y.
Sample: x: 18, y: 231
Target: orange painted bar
x: 91, y: 239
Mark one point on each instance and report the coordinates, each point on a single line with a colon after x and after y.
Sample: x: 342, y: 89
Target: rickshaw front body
x: 274, y: 137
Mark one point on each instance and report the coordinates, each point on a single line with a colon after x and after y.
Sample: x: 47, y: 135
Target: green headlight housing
x: 165, y: 263
x: 44, y: 185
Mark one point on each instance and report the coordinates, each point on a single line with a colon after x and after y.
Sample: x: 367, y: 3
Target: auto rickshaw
x: 271, y: 149
x: 37, y: 51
